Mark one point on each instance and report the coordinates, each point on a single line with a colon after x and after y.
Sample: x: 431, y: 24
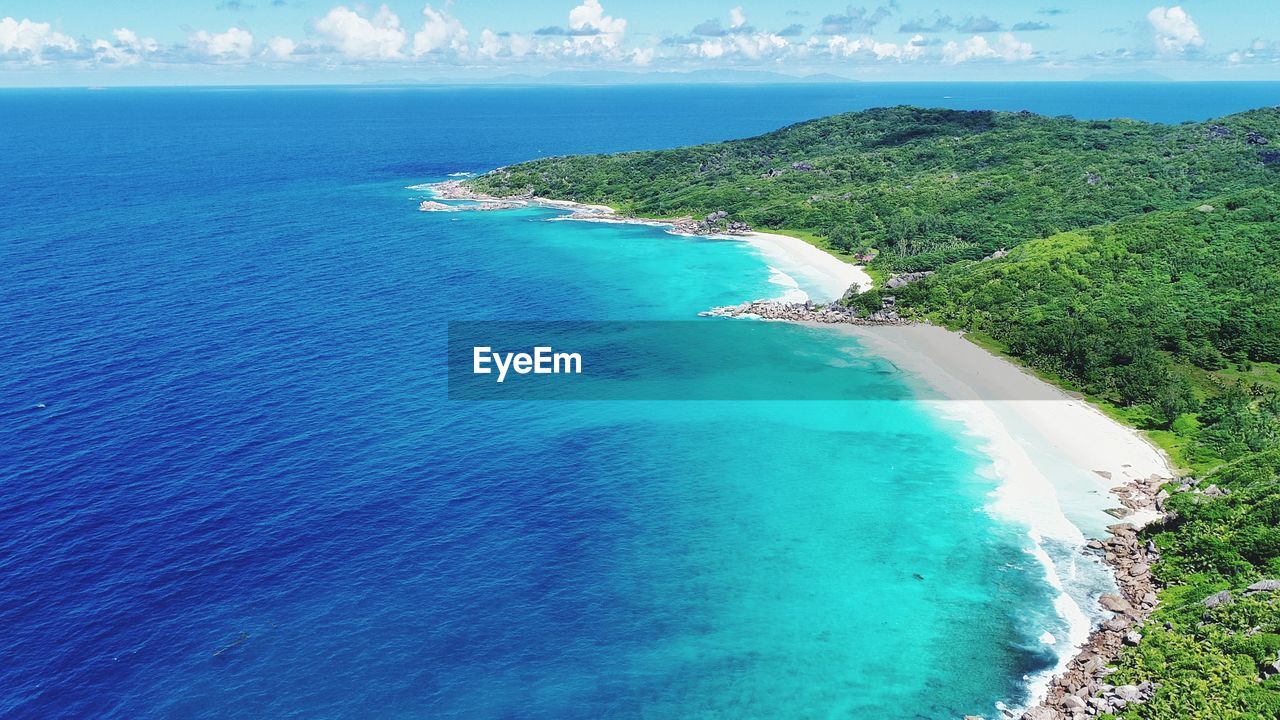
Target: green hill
x: 1144, y: 272
x: 925, y: 187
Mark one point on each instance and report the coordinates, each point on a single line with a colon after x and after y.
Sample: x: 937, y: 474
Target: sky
x: 219, y: 42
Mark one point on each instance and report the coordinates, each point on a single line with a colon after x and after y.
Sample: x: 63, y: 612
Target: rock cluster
x: 1082, y: 691
x: 898, y: 281
x: 1255, y: 138
x: 716, y: 223
x: 807, y: 312
x: 1269, y: 157
x: 1218, y: 131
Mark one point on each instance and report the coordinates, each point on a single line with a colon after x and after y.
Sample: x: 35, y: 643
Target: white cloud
x: 590, y: 16
x: 490, y: 44
x: 841, y: 46
x: 1259, y: 51
x: 27, y: 40
x: 128, y: 38
x: 594, y: 32
x: 379, y: 37
x: 125, y: 48
x: 642, y: 56
x: 520, y: 45
x: 440, y: 31
x: 752, y: 46
x: 1007, y: 48
x: 280, y: 48
x: 234, y: 44
x: 1175, y: 30
x: 736, y: 17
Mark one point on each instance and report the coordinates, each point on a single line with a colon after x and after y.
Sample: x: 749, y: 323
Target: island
x: 1135, y: 265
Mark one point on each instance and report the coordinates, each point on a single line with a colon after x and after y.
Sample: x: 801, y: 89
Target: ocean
x: 233, y: 484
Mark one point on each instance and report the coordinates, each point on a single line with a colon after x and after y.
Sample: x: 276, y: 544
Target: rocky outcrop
x: 716, y: 223
x: 1218, y: 131
x: 898, y: 281
x: 1082, y: 691
x: 1263, y: 586
x: 807, y: 312
x: 1255, y: 138
x: 1269, y: 157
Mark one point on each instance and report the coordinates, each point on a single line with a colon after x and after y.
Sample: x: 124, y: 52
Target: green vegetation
x: 925, y: 187
x: 1208, y: 659
x: 1144, y: 272
x: 1165, y: 316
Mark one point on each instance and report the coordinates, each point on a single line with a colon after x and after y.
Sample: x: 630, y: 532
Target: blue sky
x: 70, y: 42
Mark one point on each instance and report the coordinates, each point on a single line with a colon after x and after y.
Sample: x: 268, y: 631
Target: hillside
x: 1144, y: 272
x: 924, y: 187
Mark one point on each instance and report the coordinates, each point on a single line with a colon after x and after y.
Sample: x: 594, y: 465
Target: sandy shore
x: 1074, y: 429
x: 829, y: 276
x: 1052, y: 455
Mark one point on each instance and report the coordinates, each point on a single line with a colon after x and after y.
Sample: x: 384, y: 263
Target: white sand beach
x: 1074, y: 429
x: 1055, y: 458
x: 827, y: 272
x: 826, y: 275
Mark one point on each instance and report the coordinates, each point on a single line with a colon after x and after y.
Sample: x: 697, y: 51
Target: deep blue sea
x: 232, y: 484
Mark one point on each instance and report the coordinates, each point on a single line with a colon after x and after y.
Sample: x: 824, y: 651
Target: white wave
x: 420, y: 186
x: 792, y: 292
x: 462, y: 174
x: 1023, y: 496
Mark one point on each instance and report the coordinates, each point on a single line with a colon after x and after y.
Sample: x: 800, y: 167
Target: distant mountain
x: 614, y: 77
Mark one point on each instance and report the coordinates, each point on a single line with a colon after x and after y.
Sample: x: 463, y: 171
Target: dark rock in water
x: 1269, y: 157
x: 1255, y: 138
x: 1217, y: 599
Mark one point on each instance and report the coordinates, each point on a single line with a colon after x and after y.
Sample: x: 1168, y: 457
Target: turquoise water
x: 234, y: 485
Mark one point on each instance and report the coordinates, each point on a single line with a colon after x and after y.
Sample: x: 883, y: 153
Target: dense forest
x: 1143, y: 271
x: 924, y: 187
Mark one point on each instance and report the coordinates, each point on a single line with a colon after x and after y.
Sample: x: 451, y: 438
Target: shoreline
x: 830, y: 274
x: 993, y: 398
x: 1017, y: 420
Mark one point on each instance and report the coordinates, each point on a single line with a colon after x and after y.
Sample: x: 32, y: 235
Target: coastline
x: 1012, y: 413
x: 831, y: 275
x: 1017, y: 419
